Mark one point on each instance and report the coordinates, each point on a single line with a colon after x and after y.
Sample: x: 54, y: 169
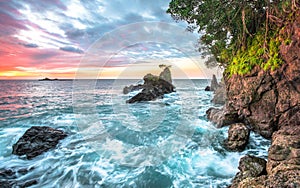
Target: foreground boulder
x: 37, y: 140
x: 238, y: 137
x: 250, y: 167
x: 154, y: 87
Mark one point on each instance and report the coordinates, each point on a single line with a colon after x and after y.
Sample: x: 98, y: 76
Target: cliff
x: 268, y: 102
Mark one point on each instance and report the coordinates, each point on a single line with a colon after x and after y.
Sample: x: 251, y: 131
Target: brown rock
x: 238, y: 137
x: 250, y: 167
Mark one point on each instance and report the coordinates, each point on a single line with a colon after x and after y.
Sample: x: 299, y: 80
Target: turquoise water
x: 162, y: 143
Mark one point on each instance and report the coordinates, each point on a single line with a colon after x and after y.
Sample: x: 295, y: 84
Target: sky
x: 56, y: 38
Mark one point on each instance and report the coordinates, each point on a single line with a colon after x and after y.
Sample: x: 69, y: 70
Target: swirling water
x: 121, y: 157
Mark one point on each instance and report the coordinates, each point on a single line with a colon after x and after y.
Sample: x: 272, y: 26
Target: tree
x: 227, y: 25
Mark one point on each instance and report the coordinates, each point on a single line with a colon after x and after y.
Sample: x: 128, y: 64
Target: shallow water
x: 163, y: 143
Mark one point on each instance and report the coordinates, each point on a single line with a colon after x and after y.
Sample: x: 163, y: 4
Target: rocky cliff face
x: 269, y: 103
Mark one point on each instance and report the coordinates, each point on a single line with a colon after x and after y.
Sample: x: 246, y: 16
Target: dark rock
x: 214, y: 84
x: 8, y: 178
x: 154, y: 87
x: 249, y: 167
x: 238, y: 137
x: 207, y: 88
x: 221, y: 117
x: 128, y: 89
x: 37, y: 140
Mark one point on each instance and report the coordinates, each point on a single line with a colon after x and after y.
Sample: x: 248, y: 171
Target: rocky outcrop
x: 37, y: 140
x: 250, y: 167
x: 238, y: 137
x: 269, y: 102
x: 154, y: 87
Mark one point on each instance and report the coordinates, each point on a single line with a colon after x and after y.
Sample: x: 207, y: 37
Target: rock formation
x: 269, y: 103
x: 37, y: 140
x: 154, y: 86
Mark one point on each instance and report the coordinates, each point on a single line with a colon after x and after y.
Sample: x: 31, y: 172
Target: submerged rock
x: 238, y: 137
x: 37, y: 140
x: 8, y: 178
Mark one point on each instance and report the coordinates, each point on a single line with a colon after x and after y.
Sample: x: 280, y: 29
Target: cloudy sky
x: 53, y: 38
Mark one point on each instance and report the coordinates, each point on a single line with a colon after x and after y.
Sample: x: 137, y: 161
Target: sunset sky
x: 52, y: 38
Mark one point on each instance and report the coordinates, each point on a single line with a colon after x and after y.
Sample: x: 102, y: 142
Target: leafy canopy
x: 227, y: 27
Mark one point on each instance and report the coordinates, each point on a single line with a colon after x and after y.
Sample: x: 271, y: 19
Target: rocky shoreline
x: 268, y: 103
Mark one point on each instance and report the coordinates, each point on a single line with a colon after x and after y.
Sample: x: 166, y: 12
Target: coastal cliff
x: 268, y: 102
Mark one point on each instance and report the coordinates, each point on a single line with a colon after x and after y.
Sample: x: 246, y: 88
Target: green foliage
x: 257, y: 54
x: 239, y: 34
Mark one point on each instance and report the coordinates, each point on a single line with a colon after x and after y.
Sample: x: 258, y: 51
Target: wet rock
x: 154, y: 87
x: 250, y: 167
x: 37, y: 140
x: 8, y: 178
x: 238, y: 137
x: 221, y: 117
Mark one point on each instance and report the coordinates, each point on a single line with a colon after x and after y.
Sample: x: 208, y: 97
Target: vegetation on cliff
x: 239, y: 35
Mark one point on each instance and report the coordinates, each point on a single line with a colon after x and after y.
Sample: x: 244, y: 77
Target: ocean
x: 164, y: 143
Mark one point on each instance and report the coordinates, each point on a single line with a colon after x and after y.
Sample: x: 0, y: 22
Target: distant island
x: 55, y: 79
x: 48, y: 79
